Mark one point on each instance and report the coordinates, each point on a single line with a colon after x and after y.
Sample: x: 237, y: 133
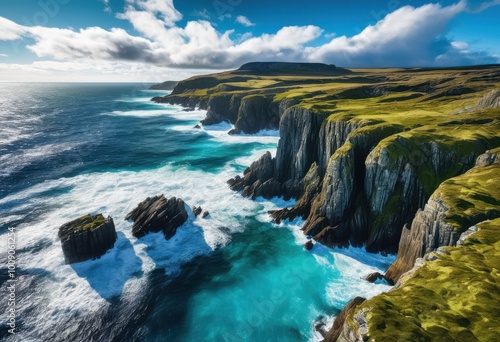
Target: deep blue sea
x: 67, y: 150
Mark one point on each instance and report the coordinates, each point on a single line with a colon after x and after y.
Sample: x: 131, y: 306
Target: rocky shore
x: 364, y: 162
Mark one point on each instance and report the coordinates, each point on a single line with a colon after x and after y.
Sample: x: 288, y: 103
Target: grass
x: 82, y: 224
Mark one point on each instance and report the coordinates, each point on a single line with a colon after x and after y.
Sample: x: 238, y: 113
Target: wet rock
x: 309, y: 245
x: 157, y: 214
x: 205, y: 214
x: 197, y: 211
x: 87, y: 237
x: 373, y: 277
x: 197, y: 127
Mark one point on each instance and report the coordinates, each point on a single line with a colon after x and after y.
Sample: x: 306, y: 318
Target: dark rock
x: 333, y: 236
x: 315, y: 227
x: 234, y: 131
x: 197, y: 211
x: 87, y: 237
x: 197, y: 127
x: 158, y: 214
x: 373, y: 277
x: 338, y: 324
x: 205, y: 214
x: 309, y: 245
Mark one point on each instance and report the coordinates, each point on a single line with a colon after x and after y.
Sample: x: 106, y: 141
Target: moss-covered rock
x: 87, y: 237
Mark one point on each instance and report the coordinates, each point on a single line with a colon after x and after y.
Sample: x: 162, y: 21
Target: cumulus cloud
x: 9, y: 30
x: 241, y: 19
x: 407, y: 37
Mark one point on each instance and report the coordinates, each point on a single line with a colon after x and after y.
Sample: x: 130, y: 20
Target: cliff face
x: 430, y: 229
x: 447, y: 292
x: 360, y: 153
x: 297, y: 151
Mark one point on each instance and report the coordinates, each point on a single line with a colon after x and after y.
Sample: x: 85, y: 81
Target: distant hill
x: 167, y: 85
x: 293, y: 68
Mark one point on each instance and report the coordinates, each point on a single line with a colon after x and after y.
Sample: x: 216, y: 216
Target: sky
x: 156, y: 40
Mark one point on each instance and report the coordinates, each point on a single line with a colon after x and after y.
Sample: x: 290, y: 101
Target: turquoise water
x: 72, y: 149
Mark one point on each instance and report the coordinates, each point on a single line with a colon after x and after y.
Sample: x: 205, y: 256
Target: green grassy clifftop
x: 455, y: 295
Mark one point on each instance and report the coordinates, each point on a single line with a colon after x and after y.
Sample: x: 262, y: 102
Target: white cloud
x: 406, y: 37
x: 3, y: 55
x: 244, y: 21
x: 46, y: 71
x: 204, y: 14
x: 164, y: 8
x: 459, y: 45
x: 9, y: 30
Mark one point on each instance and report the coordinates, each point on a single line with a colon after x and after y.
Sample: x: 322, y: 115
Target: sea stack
x: 156, y: 214
x: 87, y: 237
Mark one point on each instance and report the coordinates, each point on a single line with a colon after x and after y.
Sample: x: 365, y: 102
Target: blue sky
x: 154, y: 40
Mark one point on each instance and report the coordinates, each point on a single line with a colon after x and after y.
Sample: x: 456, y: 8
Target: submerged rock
x: 158, y: 214
x: 205, y: 214
x: 87, y: 237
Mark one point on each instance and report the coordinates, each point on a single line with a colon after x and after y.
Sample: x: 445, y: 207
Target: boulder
x: 373, y: 277
x: 197, y: 211
x: 87, y: 237
x: 157, y: 214
x: 309, y: 245
x: 205, y: 214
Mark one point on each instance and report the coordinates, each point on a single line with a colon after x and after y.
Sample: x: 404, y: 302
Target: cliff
x: 393, y: 160
x: 451, y: 294
x: 360, y: 151
x: 87, y: 237
x: 453, y: 208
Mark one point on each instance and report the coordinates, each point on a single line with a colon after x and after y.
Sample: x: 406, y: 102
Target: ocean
x: 67, y: 150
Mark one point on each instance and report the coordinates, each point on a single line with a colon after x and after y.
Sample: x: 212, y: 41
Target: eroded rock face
x: 157, y: 214
x: 338, y: 324
x: 490, y: 100
x: 429, y: 229
x: 87, y: 237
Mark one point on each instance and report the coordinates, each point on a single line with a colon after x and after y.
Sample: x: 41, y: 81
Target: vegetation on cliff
x: 454, y: 296
x: 384, y: 159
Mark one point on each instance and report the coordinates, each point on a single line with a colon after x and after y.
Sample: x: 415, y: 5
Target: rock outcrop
x: 338, y: 325
x: 157, y: 214
x: 431, y: 228
x: 87, y: 237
